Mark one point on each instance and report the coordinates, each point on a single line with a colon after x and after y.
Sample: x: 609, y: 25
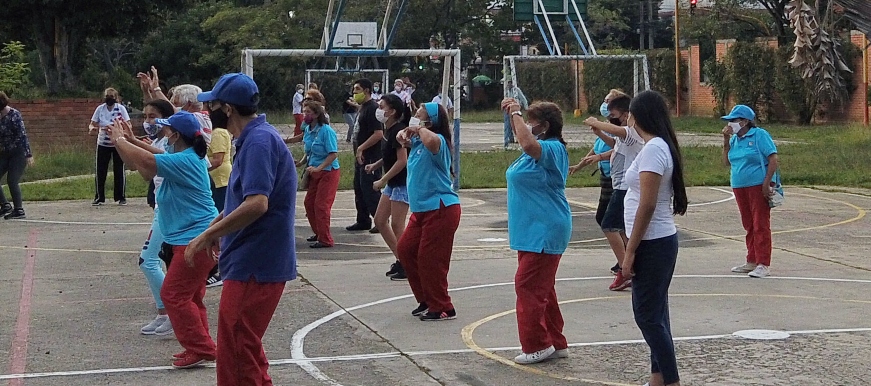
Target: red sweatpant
x: 319, y: 198
x: 244, y: 313
x: 539, y: 320
x: 425, y: 252
x: 298, y: 119
x: 182, y: 294
x: 756, y: 218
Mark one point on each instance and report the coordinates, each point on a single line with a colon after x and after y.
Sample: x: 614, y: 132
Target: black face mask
x: 219, y: 118
x: 615, y: 122
x: 109, y: 100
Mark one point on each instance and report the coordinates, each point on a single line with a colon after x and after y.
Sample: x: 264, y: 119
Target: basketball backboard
x: 356, y: 35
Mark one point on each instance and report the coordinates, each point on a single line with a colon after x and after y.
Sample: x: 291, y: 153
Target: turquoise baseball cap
x: 740, y: 111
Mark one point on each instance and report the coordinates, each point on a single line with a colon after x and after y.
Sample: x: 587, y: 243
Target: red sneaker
x: 620, y: 283
x: 191, y: 360
x: 180, y: 355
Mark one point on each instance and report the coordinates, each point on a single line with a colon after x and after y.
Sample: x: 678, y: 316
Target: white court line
x: 731, y: 197
x: 82, y: 222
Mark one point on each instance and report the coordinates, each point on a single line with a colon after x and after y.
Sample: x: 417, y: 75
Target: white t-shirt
x: 625, y: 151
x: 297, y: 103
x: 448, y: 104
x: 105, y: 117
x: 403, y: 95
x: 654, y: 157
x: 205, y: 125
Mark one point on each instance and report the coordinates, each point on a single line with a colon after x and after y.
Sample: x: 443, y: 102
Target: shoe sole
x: 15, y: 218
x: 399, y: 279
x: 163, y: 333
x: 148, y: 332
x: 439, y: 319
x: 199, y: 363
x: 758, y: 276
x: 621, y: 287
x: 742, y: 270
x: 217, y: 284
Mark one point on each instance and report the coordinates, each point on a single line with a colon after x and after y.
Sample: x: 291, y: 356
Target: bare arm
x: 373, y: 140
x: 216, y: 160
x: 524, y: 137
x: 727, y: 135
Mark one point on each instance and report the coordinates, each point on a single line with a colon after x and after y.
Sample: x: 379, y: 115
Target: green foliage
x: 547, y: 81
x: 14, y: 68
x: 600, y: 76
x: 718, y: 79
x: 752, y: 67
x: 795, y: 92
x: 662, y: 79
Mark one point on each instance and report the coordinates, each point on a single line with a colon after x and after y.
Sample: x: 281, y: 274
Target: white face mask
x: 381, y: 116
x: 735, y: 126
x: 414, y: 121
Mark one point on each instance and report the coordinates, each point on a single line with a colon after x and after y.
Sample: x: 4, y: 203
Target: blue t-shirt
x: 429, y: 177
x: 322, y: 142
x: 749, y: 157
x: 539, y: 217
x: 265, y: 249
x: 600, y: 147
x: 184, y: 197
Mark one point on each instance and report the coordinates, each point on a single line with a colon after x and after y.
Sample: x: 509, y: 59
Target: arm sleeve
x: 18, y: 122
x: 329, y: 139
x: 220, y: 142
x: 632, y: 136
x: 766, y: 145
x: 124, y: 113
x: 655, y: 158
x: 548, y: 158
x: 96, y: 116
x: 173, y: 167
x: 259, y: 172
x: 370, y: 121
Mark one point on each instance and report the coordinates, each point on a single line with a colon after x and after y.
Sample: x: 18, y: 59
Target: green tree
x: 13, y: 67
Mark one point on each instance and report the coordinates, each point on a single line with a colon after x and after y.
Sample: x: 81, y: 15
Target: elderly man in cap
x: 255, y: 231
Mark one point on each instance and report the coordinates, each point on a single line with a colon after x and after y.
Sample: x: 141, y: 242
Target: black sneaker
x: 436, y: 316
x: 214, y: 281
x: 420, y: 310
x: 7, y: 208
x: 122, y: 202
x: 312, y: 239
x: 394, y: 268
x: 17, y: 213
x: 399, y: 275
x: 357, y: 227
x: 97, y: 203
x: 374, y: 230
x: 615, y: 269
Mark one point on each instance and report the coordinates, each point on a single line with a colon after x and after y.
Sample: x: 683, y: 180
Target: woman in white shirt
x: 654, y: 179
x: 103, y: 117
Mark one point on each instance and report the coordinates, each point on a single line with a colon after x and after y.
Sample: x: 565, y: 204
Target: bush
x: 13, y: 67
x: 751, y: 71
x: 662, y: 79
x: 601, y: 76
x: 794, y: 91
x: 548, y: 81
x: 718, y: 78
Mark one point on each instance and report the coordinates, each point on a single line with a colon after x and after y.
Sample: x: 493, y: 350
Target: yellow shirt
x: 221, y: 144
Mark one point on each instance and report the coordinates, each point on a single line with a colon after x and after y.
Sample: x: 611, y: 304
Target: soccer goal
x: 578, y: 83
x: 431, y: 71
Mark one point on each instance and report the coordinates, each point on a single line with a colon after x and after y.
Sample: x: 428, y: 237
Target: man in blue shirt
x: 255, y: 230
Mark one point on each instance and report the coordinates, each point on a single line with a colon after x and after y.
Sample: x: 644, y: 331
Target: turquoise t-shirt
x: 184, y: 197
x: 429, y: 177
x: 320, y: 142
x: 749, y: 157
x: 539, y: 217
x: 600, y: 147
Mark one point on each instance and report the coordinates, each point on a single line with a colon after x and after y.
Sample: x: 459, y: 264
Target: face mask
x: 735, y: 126
x: 299, y: 91
x: 397, y: 88
x: 377, y: 89
x: 109, y: 100
x: 381, y: 115
x: 615, y: 122
x: 308, y: 118
x: 603, y: 109
x: 150, y: 129
x: 359, y: 97
x: 414, y: 121
x: 170, y: 147
x: 219, y: 118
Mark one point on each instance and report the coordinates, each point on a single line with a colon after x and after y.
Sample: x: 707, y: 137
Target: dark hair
x: 399, y: 106
x: 550, y: 113
x: 318, y: 108
x: 315, y: 95
x: 198, y: 143
x: 651, y: 115
x: 620, y: 103
x: 443, y: 128
x: 4, y: 99
x: 365, y: 84
x: 163, y: 107
x: 244, y: 110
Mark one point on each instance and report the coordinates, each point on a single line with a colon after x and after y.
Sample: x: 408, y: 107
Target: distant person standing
x: 513, y: 92
x: 255, y: 232
x: 15, y: 154
x: 349, y: 112
x: 376, y: 91
x: 103, y: 117
x: 298, y: 96
x: 449, y: 105
x: 367, y: 150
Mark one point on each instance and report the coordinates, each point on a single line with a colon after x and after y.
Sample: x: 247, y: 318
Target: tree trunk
x: 53, y: 44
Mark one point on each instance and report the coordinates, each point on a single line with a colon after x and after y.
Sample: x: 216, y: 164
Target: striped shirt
x: 104, y: 116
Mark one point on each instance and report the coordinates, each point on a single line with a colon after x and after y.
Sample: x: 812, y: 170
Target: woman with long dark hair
x: 393, y: 204
x: 539, y: 227
x: 426, y: 245
x: 186, y: 209
x: 656, y: 193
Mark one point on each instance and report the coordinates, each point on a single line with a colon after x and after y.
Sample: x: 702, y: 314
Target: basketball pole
x: 865, y: 77
x: 677, y: 57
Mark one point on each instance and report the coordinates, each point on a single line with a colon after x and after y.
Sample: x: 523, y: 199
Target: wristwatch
x: 517, y: 113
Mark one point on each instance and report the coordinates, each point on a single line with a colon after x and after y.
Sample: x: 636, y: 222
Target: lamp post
x: 677, y: 57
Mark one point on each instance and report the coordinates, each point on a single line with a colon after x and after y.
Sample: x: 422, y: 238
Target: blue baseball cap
x: 183, y: 122
x: 234, y: 88
x: 740, y: 111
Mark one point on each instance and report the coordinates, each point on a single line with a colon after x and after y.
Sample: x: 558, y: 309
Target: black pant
x: 12, y: 164
x: 365, y: 198
x: 654, y: 267
x: 104, y: 155
x: 605, y: 192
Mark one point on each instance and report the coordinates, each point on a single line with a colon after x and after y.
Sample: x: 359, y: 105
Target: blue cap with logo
x: 740, y: 111
x: 183, y: 122
x: 234, y: 88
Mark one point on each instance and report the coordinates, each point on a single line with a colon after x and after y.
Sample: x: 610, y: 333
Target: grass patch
x: 55, y: 162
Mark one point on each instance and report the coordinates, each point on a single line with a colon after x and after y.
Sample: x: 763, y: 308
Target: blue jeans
x: 350, y: 119
x: 654, y: 267
x: 149, y: 262
x: 508, y: 134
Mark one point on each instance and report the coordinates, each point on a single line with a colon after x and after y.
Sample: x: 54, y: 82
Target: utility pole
x: 677, y: 57
x: 650, y: 25
x: 641, y: 24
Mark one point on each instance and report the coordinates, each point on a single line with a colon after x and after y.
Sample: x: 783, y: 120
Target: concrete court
x: 74, y: 300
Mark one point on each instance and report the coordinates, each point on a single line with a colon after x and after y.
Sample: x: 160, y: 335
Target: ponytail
x: 200, y: 146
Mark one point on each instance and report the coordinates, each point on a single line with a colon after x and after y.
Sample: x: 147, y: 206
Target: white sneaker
x: 165, y: 328
x: 150, y: 328
x: 561, y: 353
x: 760, y: 271
x: 747, y: 267
x: 538, y: 356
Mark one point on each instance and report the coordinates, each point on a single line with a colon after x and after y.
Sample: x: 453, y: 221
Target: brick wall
x: 61, y: 122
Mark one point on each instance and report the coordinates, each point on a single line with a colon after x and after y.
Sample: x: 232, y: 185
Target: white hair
x: 187, y: 93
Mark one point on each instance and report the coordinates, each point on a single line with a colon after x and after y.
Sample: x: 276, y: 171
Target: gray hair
x: 187, y: 93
